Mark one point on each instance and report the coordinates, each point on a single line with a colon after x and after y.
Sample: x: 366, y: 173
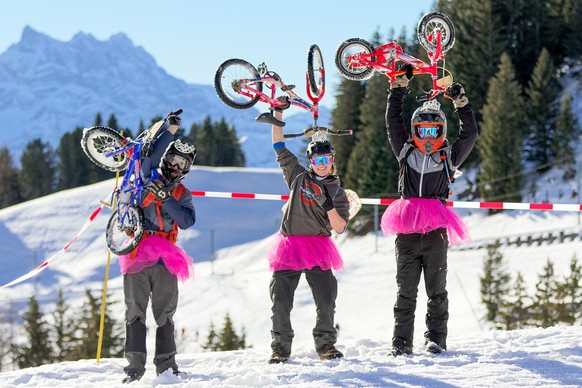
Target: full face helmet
x: 429, y: 127
x: 177, y: 160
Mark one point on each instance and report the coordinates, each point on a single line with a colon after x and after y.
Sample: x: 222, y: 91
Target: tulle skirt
x: 303, y: 252
x: 422, y: 215
x: 150, y: 250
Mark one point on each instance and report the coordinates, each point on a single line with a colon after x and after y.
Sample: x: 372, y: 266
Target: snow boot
x: 277, y: 359
x: 131, y: 376
x: 331, y: 354
x: 401, y: 350
x: 434, y: 348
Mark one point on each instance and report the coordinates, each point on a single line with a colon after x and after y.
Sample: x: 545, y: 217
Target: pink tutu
x: 422, y: 215
x: 150, y: 250
x: 303, y: 252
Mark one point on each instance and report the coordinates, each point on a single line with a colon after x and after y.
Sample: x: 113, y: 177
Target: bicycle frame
x: 274, y: 82
x: 385, y: 57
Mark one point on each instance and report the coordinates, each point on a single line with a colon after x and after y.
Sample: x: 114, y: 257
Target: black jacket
x: 423, y: 175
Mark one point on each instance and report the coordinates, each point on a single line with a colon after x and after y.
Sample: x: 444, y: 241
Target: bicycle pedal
x: 287, y: 87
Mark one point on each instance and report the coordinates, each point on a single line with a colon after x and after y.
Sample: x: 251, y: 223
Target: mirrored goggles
x: 324, y: 159
x: 177, y: 162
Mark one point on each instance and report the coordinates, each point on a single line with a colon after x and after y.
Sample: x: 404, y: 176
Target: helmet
x: 177, y: 160
x: 429, y: 127
x: 319, y: 148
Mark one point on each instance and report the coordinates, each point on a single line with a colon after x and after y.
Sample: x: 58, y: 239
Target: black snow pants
x: 159, y: 284
x: 416, y: 253
x: 323, y: 286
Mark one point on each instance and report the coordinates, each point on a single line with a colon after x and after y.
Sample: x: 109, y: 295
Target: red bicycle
x: 357, y: 59
x: 240, y: 85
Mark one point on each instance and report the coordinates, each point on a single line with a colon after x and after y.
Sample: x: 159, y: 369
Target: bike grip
x: 178, y: 112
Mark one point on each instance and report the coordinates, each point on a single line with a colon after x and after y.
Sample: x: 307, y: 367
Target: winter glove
x: 456, y: 92
x: 286, y: 103
x: 160, y: 190
x: 324, y: 200
x: 173, y: 117
x: 146, y: 150
x: 402, y: 80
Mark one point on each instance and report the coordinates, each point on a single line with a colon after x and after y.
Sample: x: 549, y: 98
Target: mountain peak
x: 31, y: 37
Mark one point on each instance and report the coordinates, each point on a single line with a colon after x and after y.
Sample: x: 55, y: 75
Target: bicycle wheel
x: 230, y: 80
x: 315, y: 70
x: 429, y: 24
x: 97, y: 141
x: 352, y: 69
x: 123, y: 239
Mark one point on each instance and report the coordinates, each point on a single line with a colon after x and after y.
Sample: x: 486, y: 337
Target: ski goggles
x: 431, y: 131
x: 177, y: 162
x: 324, y: 159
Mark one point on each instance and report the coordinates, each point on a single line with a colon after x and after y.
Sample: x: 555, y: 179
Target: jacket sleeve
x: 158, y: 149
x: 395, y: 128
x: 289, y: 165
x: 182, y: 211
x: 468, y: 134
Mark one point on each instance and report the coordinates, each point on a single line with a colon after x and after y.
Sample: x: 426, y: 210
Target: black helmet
x: 319, y: 148
x: 177, y: 160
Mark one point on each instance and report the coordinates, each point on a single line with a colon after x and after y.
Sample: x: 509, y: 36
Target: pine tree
x: 88, y: 331
x: 74, y: 166
x: 567, y: 134
x: 545, y: 304
x: 542, y: 110
x: 64, y: 330
x: 514, y: 311
x: 9, y: 186
x: 500, y: 142
x: 494, y: 282
x: 569, y: 295
x: 227, y: 339
x: 37, y: 350
x: 37, y: 176
x: 346, y: 115
x: 229, y: 150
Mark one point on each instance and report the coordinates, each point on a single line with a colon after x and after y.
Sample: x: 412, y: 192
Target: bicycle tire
x: 226, y: 79
x: 118, y: 241
x: 350, y: 47
x: 97, y: 141
x: 315, y: 70
x: 431, y: 21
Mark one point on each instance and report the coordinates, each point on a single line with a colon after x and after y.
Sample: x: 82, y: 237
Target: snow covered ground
x: 236, y: 282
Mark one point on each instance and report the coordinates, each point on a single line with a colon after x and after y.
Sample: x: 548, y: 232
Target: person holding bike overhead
x: 153, y: 268
x: 317, y: 206
x: 423, y: 224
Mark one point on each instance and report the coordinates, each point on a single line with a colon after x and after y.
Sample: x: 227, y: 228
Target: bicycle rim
x: 315, y: 70
x: 427, y: 27
x: 98, y: 141
x: 122, y: 239
x: 229, y: 83
x: 347, y: 63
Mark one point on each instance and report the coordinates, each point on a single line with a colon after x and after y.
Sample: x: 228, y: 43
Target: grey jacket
x: 301, y: 214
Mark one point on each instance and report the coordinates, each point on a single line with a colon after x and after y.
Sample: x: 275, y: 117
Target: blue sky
x: 189, y: 39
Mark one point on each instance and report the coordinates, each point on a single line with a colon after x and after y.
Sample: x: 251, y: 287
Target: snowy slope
x: 237, y: 283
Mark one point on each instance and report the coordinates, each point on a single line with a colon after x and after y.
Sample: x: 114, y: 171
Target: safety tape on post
x: 388, y: 201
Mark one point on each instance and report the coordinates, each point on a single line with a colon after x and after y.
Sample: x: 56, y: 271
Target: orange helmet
x: 429, y: 127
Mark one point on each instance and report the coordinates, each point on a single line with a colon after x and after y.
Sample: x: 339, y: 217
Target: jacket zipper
x: 422, y: 175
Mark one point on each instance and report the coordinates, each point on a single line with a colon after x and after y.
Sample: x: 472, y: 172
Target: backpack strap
x: 150, y: 198
x: 402, y: 165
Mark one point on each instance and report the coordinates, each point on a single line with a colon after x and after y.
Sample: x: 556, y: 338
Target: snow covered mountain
x: 48, y: 87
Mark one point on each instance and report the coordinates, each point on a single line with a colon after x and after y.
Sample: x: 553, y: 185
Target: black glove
x: 146, y: 150
x: 324, y: 200
x: 173, y: 117
x: 160, y: 190
x: 456, y: 92
x: 285, y: 101
x: 402, y: 80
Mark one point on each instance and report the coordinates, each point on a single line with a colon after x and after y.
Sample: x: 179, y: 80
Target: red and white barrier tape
x: 276, y: 197
x: 45, y: 264
x: 387, y: 201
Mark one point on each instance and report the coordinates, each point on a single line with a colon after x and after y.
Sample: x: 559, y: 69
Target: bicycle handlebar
x: 309, y: 132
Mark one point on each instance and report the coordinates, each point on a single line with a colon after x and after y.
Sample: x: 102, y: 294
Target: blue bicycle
x: 109, y: 150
